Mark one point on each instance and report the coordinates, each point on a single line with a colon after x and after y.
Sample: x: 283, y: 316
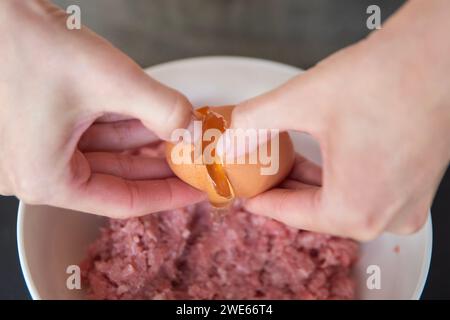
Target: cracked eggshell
x: 246, y: 179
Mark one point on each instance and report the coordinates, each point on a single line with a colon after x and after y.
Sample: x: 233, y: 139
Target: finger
x: 306, y: 171
x: 295, y: 208
x: 154, y: 150
x: 293, y: 106
x: 116, y: 136
x: 112, y: 117
x: 130, y: 91
x: 410, y: 220
x: 128, y: 166
x: 294, y: 185
x: 301, y: 206
x: 120, y: 198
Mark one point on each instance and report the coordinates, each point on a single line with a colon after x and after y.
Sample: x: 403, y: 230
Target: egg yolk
x: 216, y: 172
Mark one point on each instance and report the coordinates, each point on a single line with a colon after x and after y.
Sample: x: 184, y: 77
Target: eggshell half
x: 246, y: 179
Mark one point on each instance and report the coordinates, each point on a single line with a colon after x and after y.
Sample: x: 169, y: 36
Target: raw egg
x: 244, y: 174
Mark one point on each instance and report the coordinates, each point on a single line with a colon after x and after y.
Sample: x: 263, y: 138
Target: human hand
x: 380, y: 111
x: 69, y: 103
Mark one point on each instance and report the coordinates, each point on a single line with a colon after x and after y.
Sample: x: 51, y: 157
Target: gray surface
x: 297, y: 32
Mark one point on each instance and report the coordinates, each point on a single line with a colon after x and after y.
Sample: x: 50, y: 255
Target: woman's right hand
x: 381, y: 112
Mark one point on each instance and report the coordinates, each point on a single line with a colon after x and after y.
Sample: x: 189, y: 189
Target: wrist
x: 410, y: 56
x: 413, y: 44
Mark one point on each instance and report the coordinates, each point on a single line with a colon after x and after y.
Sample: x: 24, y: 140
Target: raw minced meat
x: 186, y: 254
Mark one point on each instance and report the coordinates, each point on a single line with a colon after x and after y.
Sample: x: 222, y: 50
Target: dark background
x: 297, y: 32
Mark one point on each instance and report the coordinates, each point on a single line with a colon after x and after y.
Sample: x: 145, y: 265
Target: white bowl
x: 50, y: 239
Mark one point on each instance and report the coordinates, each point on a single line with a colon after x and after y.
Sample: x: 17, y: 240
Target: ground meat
x: 187, y: 254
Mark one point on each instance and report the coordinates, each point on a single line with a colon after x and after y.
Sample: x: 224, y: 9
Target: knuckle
x: 30, y: 192
x: 279, y: 209
x: 122, y: 131
x: 124, y: 165
x: 354, y: 219
x: 133, y: 196
x: 414, y: 223
x: 366, y: 227
x: 170, y: 192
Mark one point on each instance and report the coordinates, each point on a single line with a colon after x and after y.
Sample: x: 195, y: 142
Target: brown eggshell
x: 246, y: 179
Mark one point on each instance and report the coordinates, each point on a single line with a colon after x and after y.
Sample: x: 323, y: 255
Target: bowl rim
x: 425, y: 268
x: 34, y: 292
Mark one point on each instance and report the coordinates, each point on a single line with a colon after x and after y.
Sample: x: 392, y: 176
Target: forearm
x: 415, y: 43
x: 413, y: 54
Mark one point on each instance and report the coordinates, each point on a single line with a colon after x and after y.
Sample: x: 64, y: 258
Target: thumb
x: 292, y: 106
x: 116, y: 84
x: 160, y: 108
